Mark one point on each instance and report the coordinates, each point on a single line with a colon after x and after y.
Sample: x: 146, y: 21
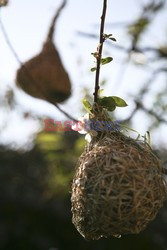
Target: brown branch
x: 159, y: 53
x: 26, y: 70
x: 99, y: 51
x: 151, y: 112
x: 95, y: 36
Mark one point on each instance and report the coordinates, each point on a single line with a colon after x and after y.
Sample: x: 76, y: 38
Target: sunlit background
x: 27, y: 22
x: 36, y: 167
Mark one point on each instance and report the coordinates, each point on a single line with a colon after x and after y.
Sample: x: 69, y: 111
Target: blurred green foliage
x: 35, y: 199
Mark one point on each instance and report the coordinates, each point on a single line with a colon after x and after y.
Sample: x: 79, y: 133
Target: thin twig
x: 99, y: 50
x: 8, y: 42
x: 151, y: 112
x: 160, y: 53
x: 52, y: 26
x: 34, y: 82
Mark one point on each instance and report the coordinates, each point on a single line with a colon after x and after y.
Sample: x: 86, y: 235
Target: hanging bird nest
x: 118, y: 187
x: 3, y: 3
x: 44, y: 76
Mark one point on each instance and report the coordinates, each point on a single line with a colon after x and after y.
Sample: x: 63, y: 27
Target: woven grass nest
x: 118, y: 187
x: 44, y: 76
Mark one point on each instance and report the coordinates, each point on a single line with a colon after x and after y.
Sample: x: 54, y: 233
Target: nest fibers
x: 44, y: 76
x: 118, y: 187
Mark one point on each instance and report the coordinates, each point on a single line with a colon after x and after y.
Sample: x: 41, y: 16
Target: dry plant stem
x: 50, y: 34
x: 8, y: 41
x: 99, y: 50
x: 52, y: 27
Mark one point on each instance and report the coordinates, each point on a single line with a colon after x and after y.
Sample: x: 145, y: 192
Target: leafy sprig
x: 105, y: 60
x: 108, y: 102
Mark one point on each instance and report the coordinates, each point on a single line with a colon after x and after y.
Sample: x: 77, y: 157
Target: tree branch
x: 150, y: 112
x: 99, y: 50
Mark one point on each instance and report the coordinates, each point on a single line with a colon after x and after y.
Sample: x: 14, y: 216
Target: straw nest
x: 44, y: 76
x: 3, y: 3
x: 118, y: 187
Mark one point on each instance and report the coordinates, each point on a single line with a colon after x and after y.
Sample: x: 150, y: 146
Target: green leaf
x: 113, y: 39
x: 106, y: 60
x: 93, y: 69
x: 103, y: 82
x: 87, y: 105
x: 109, y: 36
x: 100, y: 92
x: 108, y: 103
x: 119, y: 101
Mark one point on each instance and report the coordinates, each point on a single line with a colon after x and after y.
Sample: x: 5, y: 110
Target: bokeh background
x: 37, y: 166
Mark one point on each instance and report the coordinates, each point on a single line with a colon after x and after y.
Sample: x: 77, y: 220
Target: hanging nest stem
x: 118, y: 187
